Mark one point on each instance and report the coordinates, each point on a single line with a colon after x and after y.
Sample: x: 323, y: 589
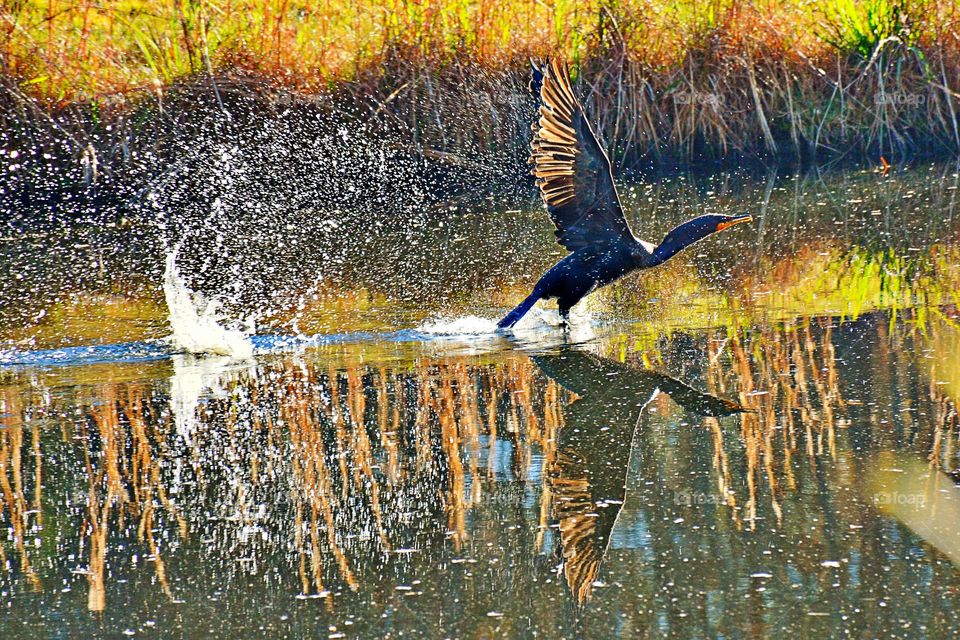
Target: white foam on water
x: 459, y: 327
x: 465, y: 335
x: 198, y: 327
x: 540, y: 323
x: 474, y: 334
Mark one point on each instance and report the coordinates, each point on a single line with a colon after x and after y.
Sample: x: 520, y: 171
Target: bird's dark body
x: 576, y: 182
x: 586, y: 269
x: 589, y: 268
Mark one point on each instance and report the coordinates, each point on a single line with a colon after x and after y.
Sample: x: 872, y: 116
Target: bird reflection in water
x: 588, y: 474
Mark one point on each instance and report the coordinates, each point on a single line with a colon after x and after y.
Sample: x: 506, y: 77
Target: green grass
x: 860, y: 27
x: 68, y: 48
x: 688, y: 79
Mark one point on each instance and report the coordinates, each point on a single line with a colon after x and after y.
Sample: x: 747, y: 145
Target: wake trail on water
x: 463, y: 326
x: 537, y: 324
x: 198, y: 326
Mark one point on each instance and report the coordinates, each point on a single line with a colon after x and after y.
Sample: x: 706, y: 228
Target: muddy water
x: 759, y: 440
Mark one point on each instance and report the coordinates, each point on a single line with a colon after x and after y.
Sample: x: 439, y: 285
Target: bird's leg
x: 564, y: 317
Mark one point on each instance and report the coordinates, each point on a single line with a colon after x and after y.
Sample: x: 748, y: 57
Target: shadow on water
x: 406, y: 489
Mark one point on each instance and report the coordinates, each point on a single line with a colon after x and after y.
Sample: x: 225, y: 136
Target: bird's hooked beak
x: 744, y: 217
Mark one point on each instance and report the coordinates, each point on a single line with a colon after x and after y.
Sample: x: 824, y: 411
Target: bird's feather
x: 572, y: 170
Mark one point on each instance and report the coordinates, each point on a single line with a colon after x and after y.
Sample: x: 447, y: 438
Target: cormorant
x: 576, y: 183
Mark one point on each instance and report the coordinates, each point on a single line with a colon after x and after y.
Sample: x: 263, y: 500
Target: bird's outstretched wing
x: 572, y: 171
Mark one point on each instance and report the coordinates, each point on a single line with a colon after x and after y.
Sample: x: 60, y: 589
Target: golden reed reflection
x: 789, y: 380
x: 360, y: 455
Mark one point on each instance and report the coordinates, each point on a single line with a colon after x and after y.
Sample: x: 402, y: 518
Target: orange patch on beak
x: 735, y: 221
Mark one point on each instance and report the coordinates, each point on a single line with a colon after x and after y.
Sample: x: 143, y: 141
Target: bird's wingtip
x: 536, y: 77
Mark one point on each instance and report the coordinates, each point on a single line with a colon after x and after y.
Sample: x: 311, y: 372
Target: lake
x: 757, y: 439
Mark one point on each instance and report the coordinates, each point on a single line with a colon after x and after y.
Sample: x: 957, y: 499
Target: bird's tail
x: 514, y: 316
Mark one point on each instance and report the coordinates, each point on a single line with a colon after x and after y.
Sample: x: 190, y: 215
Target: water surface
x: 758, y: 440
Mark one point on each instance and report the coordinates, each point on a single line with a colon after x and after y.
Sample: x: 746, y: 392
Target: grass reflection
x: 340, y: 469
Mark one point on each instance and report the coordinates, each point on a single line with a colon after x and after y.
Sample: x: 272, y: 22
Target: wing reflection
x: 346, y: 472
x: 588, y: 474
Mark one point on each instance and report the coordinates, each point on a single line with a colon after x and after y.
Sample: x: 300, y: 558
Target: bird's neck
x: 681, y: 237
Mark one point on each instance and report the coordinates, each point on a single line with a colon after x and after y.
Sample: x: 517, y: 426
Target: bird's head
x: 721, y: 222
x: 708, y: 224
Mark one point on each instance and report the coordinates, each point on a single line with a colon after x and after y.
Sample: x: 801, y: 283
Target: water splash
x: 193, y: 380
x: 458, y: 327
x: 540, y: 324
x: 198, y: 327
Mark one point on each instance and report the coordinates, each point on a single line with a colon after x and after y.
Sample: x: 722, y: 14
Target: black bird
x: 587, y: 475
x: 576, y: 183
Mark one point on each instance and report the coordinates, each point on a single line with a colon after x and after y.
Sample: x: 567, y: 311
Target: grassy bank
x: 101, y: 86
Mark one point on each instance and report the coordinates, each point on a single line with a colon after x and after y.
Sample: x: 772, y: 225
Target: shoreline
x: 86, y: 162
x: 742, y: 90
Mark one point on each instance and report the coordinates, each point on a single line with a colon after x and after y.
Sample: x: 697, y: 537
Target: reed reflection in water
x: 554, y: 492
